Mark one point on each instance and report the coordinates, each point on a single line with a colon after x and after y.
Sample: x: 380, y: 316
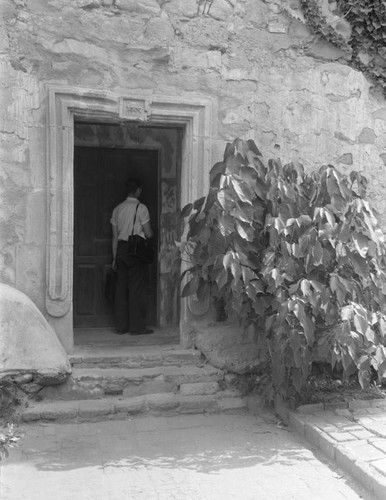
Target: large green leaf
x: 236, y: 271
x: 198, y: 203
x: 227, y: 259
x: 317, y: 253
x: 382, y: 326
x: 191, y: 287
x: 332, y: 184
x: 217, y: 169
x: 210, y: 199
x: 361, y: 183
x: 338, y: 202
x: 203, y: 291
x: 370, y: 336
x: 252, y: 146
x: 196, y: 226
x: 249, y: 175
x: 217, y: 244
x: 245, y: 231
x: 305, y: 321
x: 241, y: 148
x: 244, y: 212
x: 229, y: 150
x: 222, y: 278
x: 305, y: 287
x: 226, y: 224
x: 304, y: 220
x: 360, y: 264
x: 232, y: 165
x: 360, y: 323
x: 247, y: 274
x: 185, y: 212
x: 345, y: 233
x: 243, y: 191
x: 226, y: 200
x: 361, y: 243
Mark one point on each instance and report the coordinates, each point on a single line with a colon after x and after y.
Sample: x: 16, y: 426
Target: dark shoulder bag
x: 140, y: 247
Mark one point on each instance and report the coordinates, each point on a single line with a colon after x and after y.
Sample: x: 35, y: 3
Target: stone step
x: 94, y: 383
x: 133, y: 356
x: 116, y: 407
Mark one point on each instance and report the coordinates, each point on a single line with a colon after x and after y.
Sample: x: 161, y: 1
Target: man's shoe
x: 121, y: 332
x: 146, y: 331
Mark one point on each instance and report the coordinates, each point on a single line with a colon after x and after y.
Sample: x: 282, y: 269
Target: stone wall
x: 270, y: 78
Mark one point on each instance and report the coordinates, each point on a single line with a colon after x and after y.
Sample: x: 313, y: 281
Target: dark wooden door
x: 99, y: 181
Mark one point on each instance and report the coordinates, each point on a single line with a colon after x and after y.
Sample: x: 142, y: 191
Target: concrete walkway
x: 353, y: 435
x: 191, y: 457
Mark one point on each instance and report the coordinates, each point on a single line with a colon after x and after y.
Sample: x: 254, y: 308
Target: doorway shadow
x: 99, y: 337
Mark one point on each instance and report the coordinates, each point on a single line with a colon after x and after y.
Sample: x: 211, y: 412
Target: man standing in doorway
x: 130, y: 295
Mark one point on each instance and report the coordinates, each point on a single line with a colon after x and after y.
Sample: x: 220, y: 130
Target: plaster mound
x: 27, y: 342
x: 229, y: 347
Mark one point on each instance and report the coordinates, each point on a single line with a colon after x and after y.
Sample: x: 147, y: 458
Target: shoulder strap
x: 135, y: 217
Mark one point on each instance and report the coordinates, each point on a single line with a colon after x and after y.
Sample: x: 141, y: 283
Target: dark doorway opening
x: 99, y: 185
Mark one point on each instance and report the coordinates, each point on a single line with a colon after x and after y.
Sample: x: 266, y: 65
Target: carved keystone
x: 133, y: 109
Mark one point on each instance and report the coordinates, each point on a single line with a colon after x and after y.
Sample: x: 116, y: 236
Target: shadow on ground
x: 190, y: 442
x: 191, y: 457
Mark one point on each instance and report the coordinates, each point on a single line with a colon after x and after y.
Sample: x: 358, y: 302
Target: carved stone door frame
x: 65, y: 105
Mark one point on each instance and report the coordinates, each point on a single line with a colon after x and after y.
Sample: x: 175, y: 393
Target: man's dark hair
x: 132, y: 185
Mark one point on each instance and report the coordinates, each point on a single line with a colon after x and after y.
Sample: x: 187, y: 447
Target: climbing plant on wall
x: 9, y: 400
x: 356, y: 26
x: 297, y: 257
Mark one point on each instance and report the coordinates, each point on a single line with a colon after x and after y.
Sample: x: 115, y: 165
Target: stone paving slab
x: 352, y: 434
x: 190, y: 457
x: 175, y: 374
x: 120, y: 407
x: 133, y: 356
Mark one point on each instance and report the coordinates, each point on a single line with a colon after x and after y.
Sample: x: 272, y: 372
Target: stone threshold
x: 133, y: 356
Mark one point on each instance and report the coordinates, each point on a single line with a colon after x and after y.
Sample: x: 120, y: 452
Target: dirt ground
x: 326, y: 389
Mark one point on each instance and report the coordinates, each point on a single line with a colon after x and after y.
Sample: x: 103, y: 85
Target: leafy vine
x: 298, y: 258
x: 358, y: 27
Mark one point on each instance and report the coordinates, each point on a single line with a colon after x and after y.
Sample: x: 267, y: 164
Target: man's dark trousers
x: 130, y: 293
